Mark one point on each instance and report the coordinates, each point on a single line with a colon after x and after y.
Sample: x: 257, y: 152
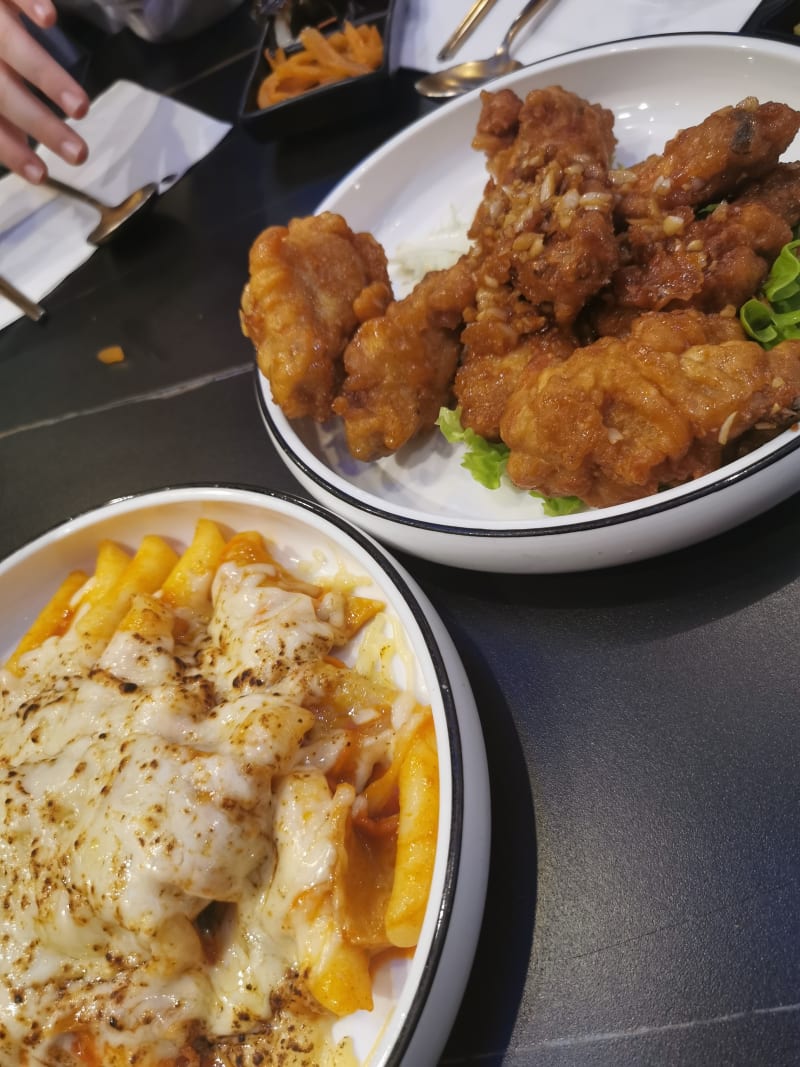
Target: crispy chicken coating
x: 545, y: 237
x: 520, y: 137
x: 624, y: 417
x: 400, y: 365
x: 485, y: 380
x: 312, y: 283
x: 543, y: 228
x: 714, y: 262
x: 779, y: 190
x: 496, y: 132
x: 710, y: 161
x: 710, y: 262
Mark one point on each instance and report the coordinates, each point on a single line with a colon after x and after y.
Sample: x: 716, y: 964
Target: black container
x: 331, y: 104
x: 775, y: 18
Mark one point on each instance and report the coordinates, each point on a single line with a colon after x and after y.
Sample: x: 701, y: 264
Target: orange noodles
x: 348, y: 53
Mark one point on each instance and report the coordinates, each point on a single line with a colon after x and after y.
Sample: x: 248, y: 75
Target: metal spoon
x: 112, y: 218
x: 25, y: 304
x: 442, y: 84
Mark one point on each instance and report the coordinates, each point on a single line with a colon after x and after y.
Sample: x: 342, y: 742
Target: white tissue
x: 135, y: 136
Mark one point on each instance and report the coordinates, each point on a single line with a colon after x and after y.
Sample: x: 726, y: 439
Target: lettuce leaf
x: 558, y: 505
x: 486, y: 462
x: 774, y: 315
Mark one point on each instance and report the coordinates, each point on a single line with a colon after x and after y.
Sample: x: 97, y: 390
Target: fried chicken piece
x: 679, y: 330
x: 311, y: 284
x: 779, y: 190
x: 400, y: 366
x: 496, y: 132
x: 624, y: 417
x: 712, y: 263
x: 485, y: 381
x: 544, y: 234
x: 547, y: 156
x: 710, y: 161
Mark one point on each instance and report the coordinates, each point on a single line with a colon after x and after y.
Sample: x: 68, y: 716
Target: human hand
x: 23, y: 60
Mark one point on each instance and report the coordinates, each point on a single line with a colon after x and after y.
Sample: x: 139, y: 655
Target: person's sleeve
x: 153, y: 20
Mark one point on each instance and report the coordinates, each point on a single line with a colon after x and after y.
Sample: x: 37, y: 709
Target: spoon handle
x: 519, y: 24
x: 475, y: 14
x: 10, y: 292
x: 69, y: 190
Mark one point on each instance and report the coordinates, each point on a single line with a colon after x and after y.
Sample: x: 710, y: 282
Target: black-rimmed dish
x: 327, y: 105
x: 420, y: 190
x: 416, y: 997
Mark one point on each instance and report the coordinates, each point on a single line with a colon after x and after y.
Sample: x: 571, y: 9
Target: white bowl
x: 417, y: 1000
x: 421, y: 500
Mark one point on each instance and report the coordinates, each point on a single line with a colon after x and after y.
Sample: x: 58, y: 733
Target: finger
x: 24, y: 111
x: 33, y: 63
x: 42, y: 12
x: 17, y: 155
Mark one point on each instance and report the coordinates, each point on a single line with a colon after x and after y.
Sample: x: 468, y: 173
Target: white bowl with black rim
x: 416, y: 998
x: 409, y: 192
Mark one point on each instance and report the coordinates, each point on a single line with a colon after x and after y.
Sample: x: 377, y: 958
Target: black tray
x: 329, y: 104
x: 775, y: 18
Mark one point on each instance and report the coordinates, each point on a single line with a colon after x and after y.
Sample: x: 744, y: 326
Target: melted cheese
x: 141, y: 786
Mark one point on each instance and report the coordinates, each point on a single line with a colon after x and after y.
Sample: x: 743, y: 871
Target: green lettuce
x: 558, y: 505
x: 486, y: 461
x: 774, y: 315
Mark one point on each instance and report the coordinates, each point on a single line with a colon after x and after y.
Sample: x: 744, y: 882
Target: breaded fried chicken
x: 713, y: 262
x: 710, y: 161
x: 485, y: 380
x: 543, y: 228
x: 544, y: 234
x: 673, y: 259
x: 311, y: 284
x: 624, y: 417
x: 400, y: 365
x: 779, y: 190
x: 496, y: 132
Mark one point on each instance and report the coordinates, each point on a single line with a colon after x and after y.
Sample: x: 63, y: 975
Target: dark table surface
x: 641, y: 723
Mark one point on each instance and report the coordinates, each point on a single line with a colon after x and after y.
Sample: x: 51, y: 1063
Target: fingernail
x: 71, y: 103
x: 71, y: 150
x: 41, y: 11
x: 34, y: 172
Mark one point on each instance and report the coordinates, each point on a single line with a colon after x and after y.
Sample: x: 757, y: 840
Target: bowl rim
x: 724, y: 478
x: 594, y: 520
x: 389, y: 571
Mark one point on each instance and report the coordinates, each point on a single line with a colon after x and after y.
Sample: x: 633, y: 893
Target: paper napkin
x: 134, y: 136
x: 560, y: 26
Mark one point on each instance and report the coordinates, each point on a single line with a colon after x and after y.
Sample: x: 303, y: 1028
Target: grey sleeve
x: 153, y: 20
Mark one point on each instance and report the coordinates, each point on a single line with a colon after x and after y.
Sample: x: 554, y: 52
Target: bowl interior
x: 297, y: 532
x: 417, y: 195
